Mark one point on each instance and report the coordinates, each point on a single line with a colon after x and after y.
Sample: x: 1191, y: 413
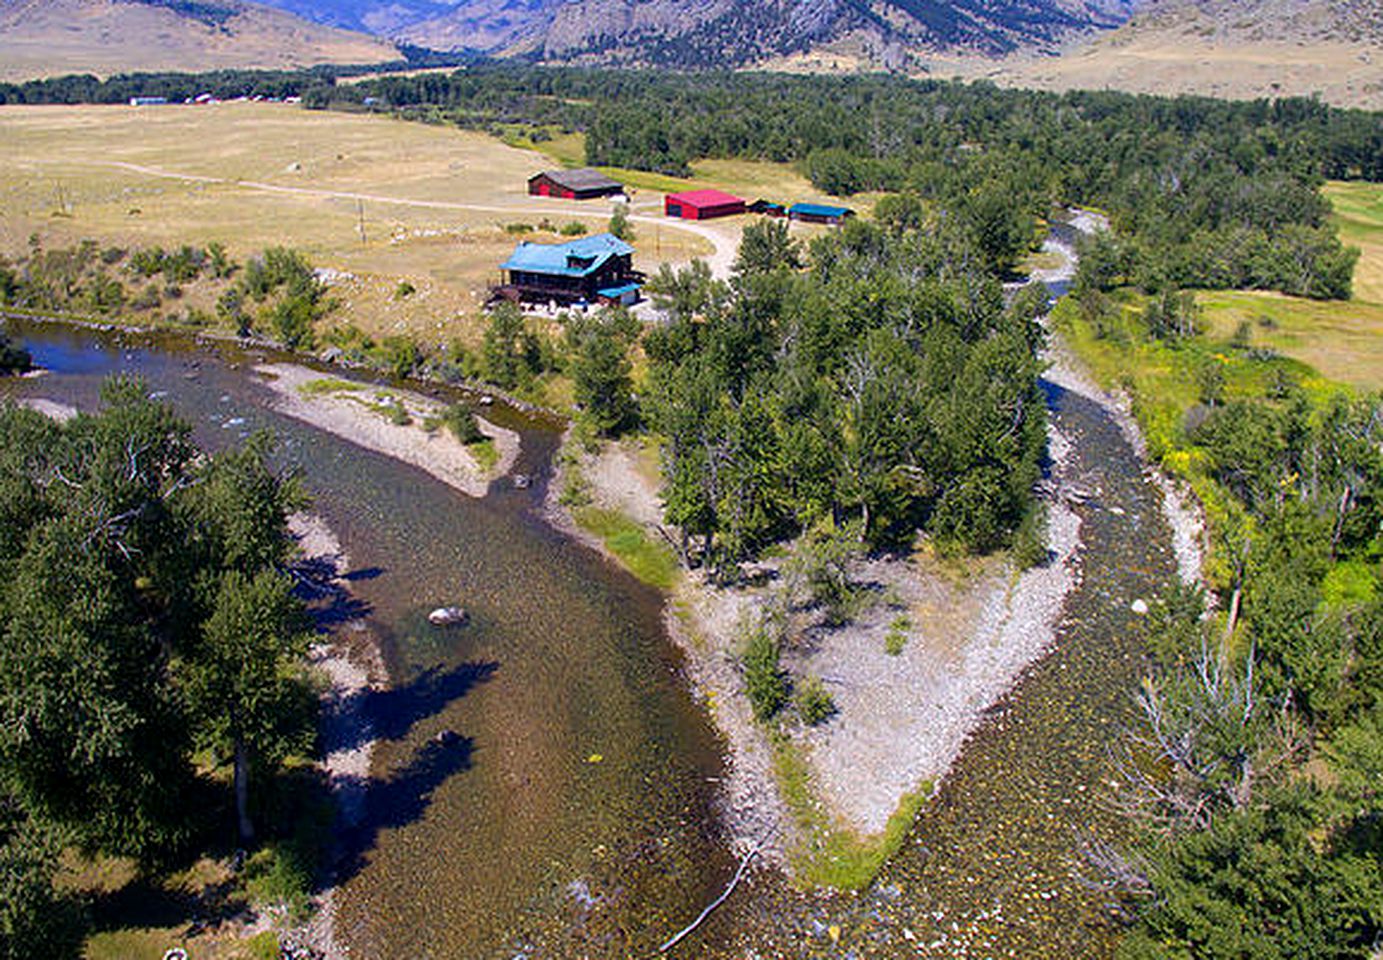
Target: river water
x: 566, y: 810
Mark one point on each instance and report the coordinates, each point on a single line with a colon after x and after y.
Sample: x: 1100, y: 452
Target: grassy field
x: 436, y: 201
x: 1343, y: 340
x: 1359, y: 213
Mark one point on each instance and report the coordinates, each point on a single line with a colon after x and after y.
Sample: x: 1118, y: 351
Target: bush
x: 897, y: 637
x: 821, y: 566
x: 461, y: 422
x: 574, y: 229
x: 764, y: 680
x: 815, y: 705
x: 1029, y: 544
x: 404, y: 290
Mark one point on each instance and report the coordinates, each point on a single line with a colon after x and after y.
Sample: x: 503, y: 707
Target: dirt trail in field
x: 720, y: 261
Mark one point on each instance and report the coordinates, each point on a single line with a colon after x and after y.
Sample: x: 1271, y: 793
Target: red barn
x: 584, y: 184
x: 702, y: 205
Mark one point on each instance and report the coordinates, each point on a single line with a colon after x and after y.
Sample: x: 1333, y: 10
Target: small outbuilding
x: 702, y: 205
x: 768, y: 208
x: 598, y: 269
x: 819, y: 213
x: 583, y: 184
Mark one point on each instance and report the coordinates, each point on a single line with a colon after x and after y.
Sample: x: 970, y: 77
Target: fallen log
x: 725, y: 895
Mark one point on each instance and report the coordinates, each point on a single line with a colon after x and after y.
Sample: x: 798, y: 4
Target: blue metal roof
x: 819, y: 210
x: 576, y: 258
x: 615, y: 292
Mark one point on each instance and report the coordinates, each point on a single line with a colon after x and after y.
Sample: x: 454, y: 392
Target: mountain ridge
x: 51, y: 37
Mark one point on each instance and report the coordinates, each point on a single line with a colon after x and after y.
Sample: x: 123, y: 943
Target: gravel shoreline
x: 347, y: 416
x: 352, y: 664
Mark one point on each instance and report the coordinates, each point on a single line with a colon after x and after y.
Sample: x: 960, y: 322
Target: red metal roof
x: 704, y: 198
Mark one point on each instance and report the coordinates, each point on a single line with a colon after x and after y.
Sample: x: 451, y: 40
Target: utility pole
x: 360, y: 209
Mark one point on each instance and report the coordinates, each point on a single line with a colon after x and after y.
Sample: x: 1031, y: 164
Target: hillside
x: 1225, y: 48
x: 52, y: 37
x: 718, y: 33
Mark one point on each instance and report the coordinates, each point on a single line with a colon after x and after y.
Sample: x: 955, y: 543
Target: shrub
x: 461, y: 422
x: 1029, y: 544
x: 897, y: 637
x: 764, y: 680
x: 821, y: 567
x: 574, y: 229
x: 815, y: 705
x: 404, y: 290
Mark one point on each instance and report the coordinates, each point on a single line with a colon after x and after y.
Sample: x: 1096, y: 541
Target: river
x: 571, y: 813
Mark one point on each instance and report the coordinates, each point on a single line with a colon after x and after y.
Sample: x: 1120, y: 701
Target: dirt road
x: 724, y: 241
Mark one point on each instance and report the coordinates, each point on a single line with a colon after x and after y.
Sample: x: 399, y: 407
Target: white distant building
x: 148, y: 101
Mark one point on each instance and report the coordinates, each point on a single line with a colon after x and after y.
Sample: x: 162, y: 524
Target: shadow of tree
x: 389, y: 714
x: 401, y: 799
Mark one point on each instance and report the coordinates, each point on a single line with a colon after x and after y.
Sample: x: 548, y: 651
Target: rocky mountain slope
x: 52, y: 37
x: 722, y: 33
x: 1226, y: 48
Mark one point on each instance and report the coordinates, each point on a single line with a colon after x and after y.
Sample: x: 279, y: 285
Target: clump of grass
x: 485, y: 452
x: 815, y: 705
x: 326, y: 386
x: 832, y: 855
x: 576, y: 490
x: 897, y: 637
x: 397, y: 412
x: 647, y: 560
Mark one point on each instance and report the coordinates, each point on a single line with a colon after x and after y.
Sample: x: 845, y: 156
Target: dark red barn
x: 584, y: 184
x: 702, y: 205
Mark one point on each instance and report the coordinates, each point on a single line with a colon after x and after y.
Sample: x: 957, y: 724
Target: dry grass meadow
x: 377, y: 199
x: 1342, y: 340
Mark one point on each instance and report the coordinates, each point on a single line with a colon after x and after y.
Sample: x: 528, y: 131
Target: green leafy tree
x: 241, y: 679
x: 500, y: 353
x: 600, y: 371
x: 766, y: 247
x: 619, y: 223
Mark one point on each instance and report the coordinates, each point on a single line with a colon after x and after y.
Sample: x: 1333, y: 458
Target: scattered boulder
x: 447, y: 616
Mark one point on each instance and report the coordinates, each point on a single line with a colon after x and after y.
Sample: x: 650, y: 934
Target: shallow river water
x: 569, y: 814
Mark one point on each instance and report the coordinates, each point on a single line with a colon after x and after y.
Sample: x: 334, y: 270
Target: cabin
x: 819, y: 213
x: 584, y: 184
x: 148, y: 101
x: 598, y: 269
x: 768, y: 208
x: 702, y: 205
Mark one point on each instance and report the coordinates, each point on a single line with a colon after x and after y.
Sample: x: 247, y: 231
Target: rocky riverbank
x: 391, y: 422
x: 351, y: 663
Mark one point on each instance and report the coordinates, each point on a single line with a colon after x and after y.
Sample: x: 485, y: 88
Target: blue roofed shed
x: 819, y: 213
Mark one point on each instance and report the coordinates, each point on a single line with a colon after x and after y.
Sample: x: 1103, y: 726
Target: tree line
x: 1212, y: 193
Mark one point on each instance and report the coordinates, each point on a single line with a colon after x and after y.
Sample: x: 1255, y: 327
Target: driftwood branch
x: 725, y: 895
